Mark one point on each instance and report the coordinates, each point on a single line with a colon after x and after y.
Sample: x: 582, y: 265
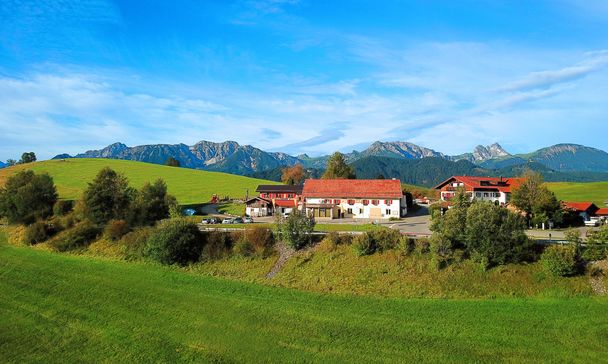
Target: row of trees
x: 337, y: 168
x: 27, y: 157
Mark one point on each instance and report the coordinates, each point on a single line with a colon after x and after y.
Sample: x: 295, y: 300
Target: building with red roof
x: 353, y: 198
x: 584, y: 209
x: 273, y: 199
x: 494, y: 189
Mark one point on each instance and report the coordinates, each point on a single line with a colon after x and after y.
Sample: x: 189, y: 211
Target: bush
x: 384, y: 239
x: 27, y: 197
x: 116, y: 229
x: 594, y: 252
x: 175, y: 242
x: 261, y: 239
x: 63, y: 207
x: 218, y: 244
x: 363, y: 244
x: 134, y: 243
x: 406, y: 245
x: 295, y: 230
x: 35, y: 233
x: 244, y: 248
x: 79, y: 236
x: 423, y: 246
x: 441, y: 248
x: 560, y: 260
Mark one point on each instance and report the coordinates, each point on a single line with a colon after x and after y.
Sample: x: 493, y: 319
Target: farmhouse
x: 273, y: 199
x: 584, y: 209
x: 494, y: 189
x: 350, y: 198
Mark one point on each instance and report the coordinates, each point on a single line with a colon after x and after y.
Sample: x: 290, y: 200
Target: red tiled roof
x: 580, y: 206
x: 474, y: 183
x: 353, y: 188
x: 602, y: 212
x: 285, y: 203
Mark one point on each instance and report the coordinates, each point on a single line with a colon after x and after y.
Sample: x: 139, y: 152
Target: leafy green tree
x: 172, y: 162
x: 337, y: 168
x: 108, y: 197
x: 27, y: 157
x: 535, y: 200
x: 561, y: 260
x: 452, y: 224
x: 295, y: 230
x: 495, y: 235
x: 293, y: 175
x: 175, y: 241
x: 10, y: 162
x: 152, y: 203
x: 27, y: 197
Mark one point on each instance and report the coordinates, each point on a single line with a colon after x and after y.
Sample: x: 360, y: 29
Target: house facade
x: 358, y: 199
x: 493, y: 189
x: 273, y: 199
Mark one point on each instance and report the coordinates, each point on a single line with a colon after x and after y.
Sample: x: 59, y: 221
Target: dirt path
x: 285, y: 253
x: 597, y: 282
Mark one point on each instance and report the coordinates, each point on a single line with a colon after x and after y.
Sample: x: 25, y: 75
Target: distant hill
x: 188, y: 185
x: 431, y: 171
x: 275, y: 173
x: 232, y: 157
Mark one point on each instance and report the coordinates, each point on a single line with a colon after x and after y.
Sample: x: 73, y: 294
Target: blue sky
x: 302, y: 76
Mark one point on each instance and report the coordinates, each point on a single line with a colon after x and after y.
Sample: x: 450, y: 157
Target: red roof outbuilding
x: 353, y: 188
x: 581, y: 206
x: 602, y: 212
x: 485, y: 183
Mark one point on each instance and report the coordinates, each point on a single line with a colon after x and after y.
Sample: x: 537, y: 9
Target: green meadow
x: 596, y: 192
x: 67, y: 308
x: 190, y: 186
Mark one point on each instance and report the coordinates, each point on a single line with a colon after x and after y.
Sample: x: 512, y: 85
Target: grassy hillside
x: 570, y: 191
x: 190, y: 186
x: 61, y: 308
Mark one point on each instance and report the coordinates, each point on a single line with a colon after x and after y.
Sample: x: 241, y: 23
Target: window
x: 351, y: 202
x: 388, y: 211
x: 478, y: 194
x: 262, y: 195
x: 360, y: 211
x: 485, y: 194
x: 349, y: 211
x: 375, y: 202
x: 387, y: 202
x: 337, y: 202
x: 365, y: 202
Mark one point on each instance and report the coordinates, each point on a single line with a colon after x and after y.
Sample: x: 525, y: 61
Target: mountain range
x: 2, y: 165
x: 231, y: 157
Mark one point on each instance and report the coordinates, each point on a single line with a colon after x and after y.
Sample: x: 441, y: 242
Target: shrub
x: 261, y: 239
x: 423, y: 246
x: 406, y: 245
x: 63, y: 207
x: 594, y: 252
x: 560, y: 260
x: 295, y: 230
x: 35, y: 233
x: 384, y: 239
x: 244, y: 248
x: 79, y: 236
x: 116, y: 229
x: 175, y: 242
x: 363, y: 244
x: 217, y: 244
x: 594, y: 271
x: 134, y: 243
x: 151, y: 204
x: 441, y: 249
x: 107, y: 197
x: 27, y: 197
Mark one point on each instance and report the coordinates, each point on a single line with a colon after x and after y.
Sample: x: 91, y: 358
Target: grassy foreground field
x: 62, y: 308
x: 190, y: 186
x: 596, y: 192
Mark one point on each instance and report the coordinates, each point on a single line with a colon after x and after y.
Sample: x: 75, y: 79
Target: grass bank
x: 62, y: 308
x: 596, y: 192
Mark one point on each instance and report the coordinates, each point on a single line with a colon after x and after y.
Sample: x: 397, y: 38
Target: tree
x: 293, y: 175
x: 535, y: 200
x: 452, y: 224
x: 295, y: 230
x: 108, y: 197
x: 27, y: 197
x: 10, y: 162
x: 172, y: 162
x: 495, y: 235
x: 175, y: 241
x: 27, y: 157
x: 337, y: 168
x: 152, y: 203
x: 380, y: 176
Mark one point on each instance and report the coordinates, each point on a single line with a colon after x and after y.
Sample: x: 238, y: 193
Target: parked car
x: 206, y: 221
x: 247, y: 220
x: 592, y: 222
x: 286, y: 214
x: 227, y: 221
x: 211, y: 221
x: 237, y: 220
